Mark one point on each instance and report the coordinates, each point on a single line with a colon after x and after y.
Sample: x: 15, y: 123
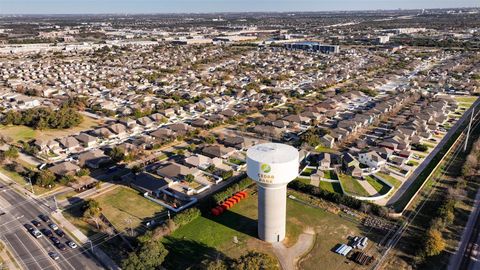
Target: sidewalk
x: 7, y: 260
x: 87, y: 193
x: 455, y: 259
x: 83, y: 239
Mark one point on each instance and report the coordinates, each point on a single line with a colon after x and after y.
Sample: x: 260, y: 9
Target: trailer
x: 339, y: 248
x: 346, y: 251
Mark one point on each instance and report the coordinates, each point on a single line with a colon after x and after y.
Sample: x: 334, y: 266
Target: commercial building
x: 313, y: 46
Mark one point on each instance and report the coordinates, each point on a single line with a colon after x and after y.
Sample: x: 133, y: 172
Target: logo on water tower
x: 265, y: 168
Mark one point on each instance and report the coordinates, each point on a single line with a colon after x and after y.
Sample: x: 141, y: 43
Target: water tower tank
x: 272, y: 166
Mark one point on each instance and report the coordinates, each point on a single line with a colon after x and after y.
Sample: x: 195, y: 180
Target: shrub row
x: 186, y: 216
x: 223, y: 195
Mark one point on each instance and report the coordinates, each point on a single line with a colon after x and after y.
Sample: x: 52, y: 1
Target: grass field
x: 307, y: 172
x: 123, y: 204
x: 392, y: 180
x: 22, y: 181
x: 378, y: 185
x: 324, y: 149
x: 119, y: 206
x: 209, y: 237
x: 332, y: 187
x: 466, y: 99
x: 330, y: 174
x: 24, y: 133
x: 352, y: 186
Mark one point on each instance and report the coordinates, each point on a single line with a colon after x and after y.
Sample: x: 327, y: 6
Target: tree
x: 210, y: 139
x: 136, y: 169
x: 214, y: 265
x: 67, y: 179
x: 189, y: 178
x: 149, y: 257
x: 11, y: 153
x: 434, y: 243
x: 255, y: 261
x: 420, y: 147
x: 44, y: 178
x: 83, y: 172
x: 92, y: 211
x: 117, y: 154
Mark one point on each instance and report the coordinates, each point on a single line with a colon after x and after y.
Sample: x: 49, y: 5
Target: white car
x: 72, y: 244
x: 53, y: 226
x: 36, y: 233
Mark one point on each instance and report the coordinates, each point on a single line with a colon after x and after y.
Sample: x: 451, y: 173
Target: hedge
x: 241, y: 185
x: 186, y: 216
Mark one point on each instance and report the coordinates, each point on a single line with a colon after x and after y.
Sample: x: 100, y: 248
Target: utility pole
x: 31, y: 186
x: 91, y: 245
x: 468, y: 131
x: 56, y: 203
x: 129, y: 222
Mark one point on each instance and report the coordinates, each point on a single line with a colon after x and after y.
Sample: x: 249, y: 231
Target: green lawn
x: 307, y: 172
x: 332, y: 187
x: 330, y: 174
x: 236, y: 161
x: 352, y: 186
x: 466, y: 99
x: 24, y: 133
x: 412, y: 163
x: 392, y: 180
x: 378, y: 185
x: 324, y: 149
x: 18, y: 133
x: 124, y: 203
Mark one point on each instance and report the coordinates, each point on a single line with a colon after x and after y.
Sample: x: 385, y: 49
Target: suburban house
x: 371, y: 159
x: 176, y: 172
x: 93, y: 159
x: 70, y: 144
x: 327, y: 140
x: 218, y: 150
x: 64, y: 168
x: 324, y: 161
x: 119, y: 130
x: 86, y: 140
x: 202, y: 162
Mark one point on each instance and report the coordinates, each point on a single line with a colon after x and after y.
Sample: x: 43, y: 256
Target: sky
x: 205, y: 6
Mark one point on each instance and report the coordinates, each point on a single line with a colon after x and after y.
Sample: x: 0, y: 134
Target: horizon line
x: 234, y: 12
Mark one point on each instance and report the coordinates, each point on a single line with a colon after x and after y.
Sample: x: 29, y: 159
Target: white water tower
x: 272, y: 166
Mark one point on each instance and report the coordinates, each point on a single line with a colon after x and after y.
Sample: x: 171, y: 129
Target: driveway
x: 288, y: 257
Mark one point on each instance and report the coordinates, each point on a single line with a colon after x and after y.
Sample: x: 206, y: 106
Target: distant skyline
x: 207, y: 6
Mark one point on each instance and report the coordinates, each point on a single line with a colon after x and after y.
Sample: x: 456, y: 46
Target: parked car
x: 47, y: 232
x: 53, y: 255
x: 36, y: 223
x: 36, y: 233
x: 71, y: 244
x: 29, y: 227
x: 61, y: 246
x: 44, y: 218
x: 55, y: 240
x: 59, y: 233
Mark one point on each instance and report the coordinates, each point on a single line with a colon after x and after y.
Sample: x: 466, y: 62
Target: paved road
x: 462, y: 258
x: 30, y: 252
x: 288, y: 257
